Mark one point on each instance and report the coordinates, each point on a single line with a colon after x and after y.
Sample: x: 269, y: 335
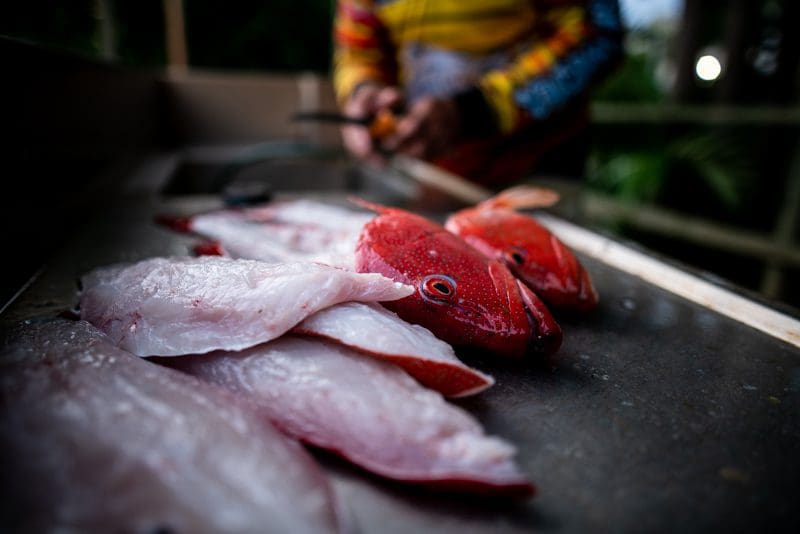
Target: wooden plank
x: 696, y: 230
x: 444, y: 181
x: 613, y: 113
x: 672, y: 279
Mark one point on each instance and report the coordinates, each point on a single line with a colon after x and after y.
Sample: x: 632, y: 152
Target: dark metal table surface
x: 657, y: 415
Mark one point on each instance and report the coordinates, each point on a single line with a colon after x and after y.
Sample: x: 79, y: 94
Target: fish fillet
x: 366, y: 410
x: 372, y: 329
x: 174, y: 306
x: 97, y: 440
x: 242, y: 238
x: 309, y: 213
x: 299, y: 230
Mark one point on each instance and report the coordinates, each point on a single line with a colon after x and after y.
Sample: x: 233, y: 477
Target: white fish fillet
x: 241, y: 238
x: 285, y: 231
x: 369, y: 411
x: 174, y: 306
x: 97, y: 440
x: 373, y: 329
x: 309, y: 213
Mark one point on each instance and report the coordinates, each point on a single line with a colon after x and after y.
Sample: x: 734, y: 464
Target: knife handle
x: 383, y: 125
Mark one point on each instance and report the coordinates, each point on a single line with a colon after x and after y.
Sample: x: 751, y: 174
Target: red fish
x: 527, y: 248
x: 461, y: 296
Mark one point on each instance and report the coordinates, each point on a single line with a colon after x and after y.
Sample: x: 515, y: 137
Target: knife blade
x: 331, y: 116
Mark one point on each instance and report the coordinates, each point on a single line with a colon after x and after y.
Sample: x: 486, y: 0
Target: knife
x: 380, y: 125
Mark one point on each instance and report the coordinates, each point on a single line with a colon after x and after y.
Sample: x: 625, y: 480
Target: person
x: 489, y: 90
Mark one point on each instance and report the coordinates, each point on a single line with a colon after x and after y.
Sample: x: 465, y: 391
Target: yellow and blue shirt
x: 520, y: 61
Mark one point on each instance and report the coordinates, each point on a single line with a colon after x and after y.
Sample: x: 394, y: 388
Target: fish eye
x: 516, y: 255
x: 441, y: 287
x: 437, y: 287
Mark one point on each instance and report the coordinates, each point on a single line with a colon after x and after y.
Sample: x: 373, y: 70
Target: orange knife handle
x: 383, y: 124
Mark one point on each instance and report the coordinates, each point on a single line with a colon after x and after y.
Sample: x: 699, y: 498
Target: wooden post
x: 177, y: 55
x: 687, y: 44
x: 104, y: 13
x: 788, y: 219
x: 736, y: 79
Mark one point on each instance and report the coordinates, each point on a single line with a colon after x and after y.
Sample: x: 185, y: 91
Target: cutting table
x: 658, y: 414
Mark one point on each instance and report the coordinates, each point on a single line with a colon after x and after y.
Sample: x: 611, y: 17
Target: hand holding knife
x: 380, y: 124
x: 376, y: 124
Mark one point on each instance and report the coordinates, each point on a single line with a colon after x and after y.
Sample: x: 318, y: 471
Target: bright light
x: 708, y: 68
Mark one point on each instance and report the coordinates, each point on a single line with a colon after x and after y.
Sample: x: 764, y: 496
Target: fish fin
x: 521, y: 197
x: 366, y: 204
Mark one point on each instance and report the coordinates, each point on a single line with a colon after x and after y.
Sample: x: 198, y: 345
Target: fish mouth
x: 573, y: 291
x: 531, y: 328
x: 546, y: 335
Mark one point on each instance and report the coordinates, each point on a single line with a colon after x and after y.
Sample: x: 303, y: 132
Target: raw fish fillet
x: 372, y: 329
x: 299, y: 230
x: 242, y: 238
x: 368, y: 411
x: 174, y: 306
x: 97, y: 440
x: 309, y: 213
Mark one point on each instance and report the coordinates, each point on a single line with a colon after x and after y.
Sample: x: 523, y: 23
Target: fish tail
x: 522, y: 197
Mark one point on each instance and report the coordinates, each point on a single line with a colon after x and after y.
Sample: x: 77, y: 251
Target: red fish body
x: 462, y: 297
x: 528, y: 249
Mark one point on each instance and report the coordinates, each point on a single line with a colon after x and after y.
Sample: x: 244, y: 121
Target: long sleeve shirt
x: 510, y: 62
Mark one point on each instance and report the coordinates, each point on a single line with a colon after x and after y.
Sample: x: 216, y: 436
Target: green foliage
x: 719, y: 162
x: 631, y: 176
x: 280, y: 35
x: 641, y: 175
x: 633, y: 81
x: 65, y: 27
x: 139, y: 32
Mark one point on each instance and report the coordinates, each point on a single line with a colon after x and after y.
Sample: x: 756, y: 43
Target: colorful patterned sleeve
x: 362, y: 51
x: 578, y: 42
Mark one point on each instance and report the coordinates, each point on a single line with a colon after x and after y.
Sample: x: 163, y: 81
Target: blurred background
x: 694, y: 152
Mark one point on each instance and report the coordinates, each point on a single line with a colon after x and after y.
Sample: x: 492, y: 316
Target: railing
x: 777, y: 250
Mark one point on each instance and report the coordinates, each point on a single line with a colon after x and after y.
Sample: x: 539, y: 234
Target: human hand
x: 429, y: 128
x: 367, y: 101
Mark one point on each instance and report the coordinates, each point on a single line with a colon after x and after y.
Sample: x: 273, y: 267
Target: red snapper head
x: 531, y: 252
x: 462, y: 297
